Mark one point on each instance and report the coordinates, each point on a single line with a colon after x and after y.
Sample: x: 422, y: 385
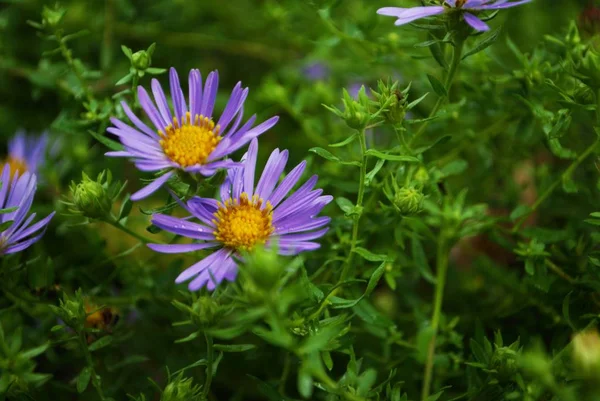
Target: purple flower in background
x: 18, y: 193
x: 354, y: 88
x: 406, y: 15
x: 248, y: 215
x: 26, y: 153
x: 186, y: 138
x: 317, y: 71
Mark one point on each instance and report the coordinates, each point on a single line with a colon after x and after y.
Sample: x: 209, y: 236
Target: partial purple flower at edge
x: 186, y: 138
x: 248, y: 215
x: 26, y: 152
x: 407, y: 15
x: 19, y: 192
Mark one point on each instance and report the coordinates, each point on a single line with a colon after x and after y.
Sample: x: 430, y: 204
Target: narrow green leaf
x: 109, y: 143
x: 565, y: 310
x: 371, y: 174
x: 519, y: 211
x: 370, y: 256
x: 346, y: 205
x: 84, y: 379
x: 100, y: 343
x: 33, y: 352
x: 345, y: 142
x: 234, y: 347
x: 438, y: 53
x: 4, y: 226
x: 420, y: 260
x: 327, y: 155
x: 386, y: 156
x: 125, y: 208
x: 437, y: 86
x: 191, y: 337
x: 8, y: 209
x: 485, y: 43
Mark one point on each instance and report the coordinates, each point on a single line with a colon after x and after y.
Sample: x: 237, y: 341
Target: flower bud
x: 587, y: 69
x: 356, y: 112
x: 408, y: 200
x: 205, y: 310
x: 586, y: 352
x: 386, y: 302
x: 91, y: 198
x: 180, y: 389
x: 391, y: 99
x: 140, y: 60
x: 422, y: 176
x: 51, y: 17
x: 264, y: 267
x: 504, y: 361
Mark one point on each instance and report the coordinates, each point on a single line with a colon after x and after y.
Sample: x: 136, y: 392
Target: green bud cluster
x: 407, y: 199
x: 392, y: 100
x: 181, y: 389
x: 357, y: 112
x: 71, y: 310
x: 93, y: 198
x: 205, y: 310
x: 52, y: 17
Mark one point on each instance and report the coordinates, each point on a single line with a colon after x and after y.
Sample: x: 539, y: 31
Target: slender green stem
x: 117, y: 224
x: 134, y: 84
x: 287, y: 366
x: 456, y: 57
x: 560, y: 272
x: 556, y: 183
x: 210, y: 356
x: 442, y: 269
x: 90, y: 364
x: 359, y: 203
x: 68, y: 56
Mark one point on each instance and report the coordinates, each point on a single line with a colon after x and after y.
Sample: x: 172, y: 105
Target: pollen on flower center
x: 190, y: 142
x: 242, y: 223
x: 16, y: 165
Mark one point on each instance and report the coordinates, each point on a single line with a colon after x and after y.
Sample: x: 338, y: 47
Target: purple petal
x: 203, y: 209
x: 271, y: 173
x: 501, y: 5
x: 183, y: 227
x: 195, y: 92
x: 150, y: 109
x: 137, y: 122
x: 210, y: 94
x: 161, y: 101
x: 152, y: 187
x: 287, y: 184
x: 177, y: 94
x: 406, y: 15
x: 181, y: 248
x: 476, y: 23
x: 249, y: 167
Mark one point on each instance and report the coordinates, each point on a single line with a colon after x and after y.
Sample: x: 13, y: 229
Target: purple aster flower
x: 406, y: 15
x: 248, y: 215
x: 316, y: 71
x: 18, y: 192
x: 26, y: 153
x: 186, y: 137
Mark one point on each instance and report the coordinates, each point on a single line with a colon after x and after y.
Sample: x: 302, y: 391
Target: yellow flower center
x: 243, y: 223
x: 16, y: 165
x: 190, y: 142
